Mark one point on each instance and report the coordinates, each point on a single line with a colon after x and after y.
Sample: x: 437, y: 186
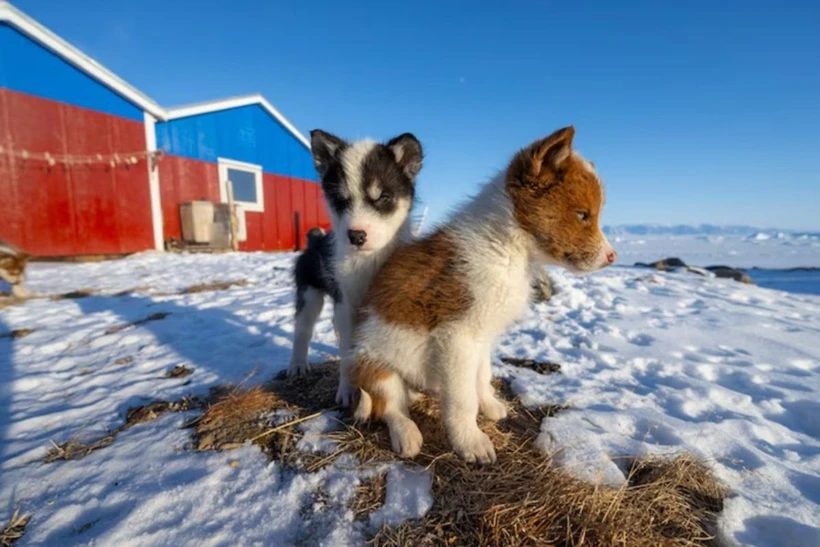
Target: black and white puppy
x: 369, y: 188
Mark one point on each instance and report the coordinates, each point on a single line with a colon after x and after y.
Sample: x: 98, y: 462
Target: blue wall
x: 247, y: 133
x: 28, y: 67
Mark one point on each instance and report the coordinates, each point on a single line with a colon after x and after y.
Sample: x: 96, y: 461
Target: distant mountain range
x: 751, y: 232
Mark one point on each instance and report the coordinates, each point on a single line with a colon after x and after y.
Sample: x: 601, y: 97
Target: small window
x: 245, y: 180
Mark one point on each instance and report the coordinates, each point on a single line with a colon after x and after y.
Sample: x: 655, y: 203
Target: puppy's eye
x: 386, y: 197
x: 583, y: 215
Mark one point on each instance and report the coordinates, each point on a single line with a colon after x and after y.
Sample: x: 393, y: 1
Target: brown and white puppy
x: 432, y: 315
x: 13, y: 264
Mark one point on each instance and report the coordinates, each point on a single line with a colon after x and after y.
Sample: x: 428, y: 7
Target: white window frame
x: 241, y: 223
x: 257, y: 206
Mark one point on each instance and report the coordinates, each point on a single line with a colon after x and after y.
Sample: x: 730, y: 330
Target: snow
x: 761, y: 250
x: 407, y: 497
x: 313, y: 433
x: 652, y: 363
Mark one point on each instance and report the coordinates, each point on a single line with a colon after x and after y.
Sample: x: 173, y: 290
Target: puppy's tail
x: 364, y: 408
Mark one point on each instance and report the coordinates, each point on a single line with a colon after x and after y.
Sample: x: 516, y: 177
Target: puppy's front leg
x: 343, y: 317
x: 459, y: 362
x: 490, y: 406
x: 309, y: 303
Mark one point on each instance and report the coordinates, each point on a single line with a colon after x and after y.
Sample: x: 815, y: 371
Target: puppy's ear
x: 407, y: 150
x: 544, y: 157
x: 324, y: 147
x: 552, y: 151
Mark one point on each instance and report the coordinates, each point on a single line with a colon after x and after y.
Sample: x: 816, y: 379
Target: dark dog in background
x: 13, y: 264
x: 315, y: 279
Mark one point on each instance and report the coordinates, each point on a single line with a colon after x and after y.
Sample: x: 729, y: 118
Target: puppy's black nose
x: 357, y: 237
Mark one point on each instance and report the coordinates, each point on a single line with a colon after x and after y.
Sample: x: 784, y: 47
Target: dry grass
x: 179, y: 371
x: 122, y: 326
x: 80, y: 258
x: 541, y: 367
x: 235, y: 418
x: 7, y: 299
x: 243, y: 415
x: 15, y: 529
x: 16, y: 333
x: 74, y: 295
x: 76, y: 448
x: 214, y: 286
x: 370, y: 496
x: 521, y: 500
x: 132, y: 291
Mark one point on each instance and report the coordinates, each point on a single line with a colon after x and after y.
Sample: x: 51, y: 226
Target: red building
x: 90, y: 165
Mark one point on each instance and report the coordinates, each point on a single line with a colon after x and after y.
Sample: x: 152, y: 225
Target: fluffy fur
x: 369, y: 188
x: 431, y: 316
x: 13, y: 264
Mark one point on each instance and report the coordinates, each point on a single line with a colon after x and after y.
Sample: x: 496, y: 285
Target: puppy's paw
x: 406, y: 439
x: 345, y: 394
x: 475, y: 447
x: 493, y: 409
x: 298, y: 369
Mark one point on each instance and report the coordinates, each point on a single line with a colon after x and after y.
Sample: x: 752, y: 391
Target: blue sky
x: 692, y: 111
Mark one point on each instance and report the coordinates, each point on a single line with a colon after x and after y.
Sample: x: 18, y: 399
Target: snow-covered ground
x: 773, y: 250
x: 652, y: 362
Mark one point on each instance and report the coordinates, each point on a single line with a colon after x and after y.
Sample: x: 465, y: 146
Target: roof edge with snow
x: 235, y: 102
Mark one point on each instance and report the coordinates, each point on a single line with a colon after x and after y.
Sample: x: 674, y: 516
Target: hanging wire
x: 112, y: 160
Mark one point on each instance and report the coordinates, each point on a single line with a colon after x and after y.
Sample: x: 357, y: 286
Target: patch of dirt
x: 153, y: 317
x: 74, y: 295
x: 15, y: 529
x: 179, y: 371
x: 80, y: 258
x: 522, y: 499
x: 10, y: 300
x: 236, y: 418
x: 16, y: 333
x: 265, y: 415
x: 76, y: 448
x: 152, y: 411
x: 87, y: 526
x: 124, y: 360
x: 370, y: 496
x: 541, y: 367
x: 214, y: 286
x: 134, y: 290
x: 533, y: 414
